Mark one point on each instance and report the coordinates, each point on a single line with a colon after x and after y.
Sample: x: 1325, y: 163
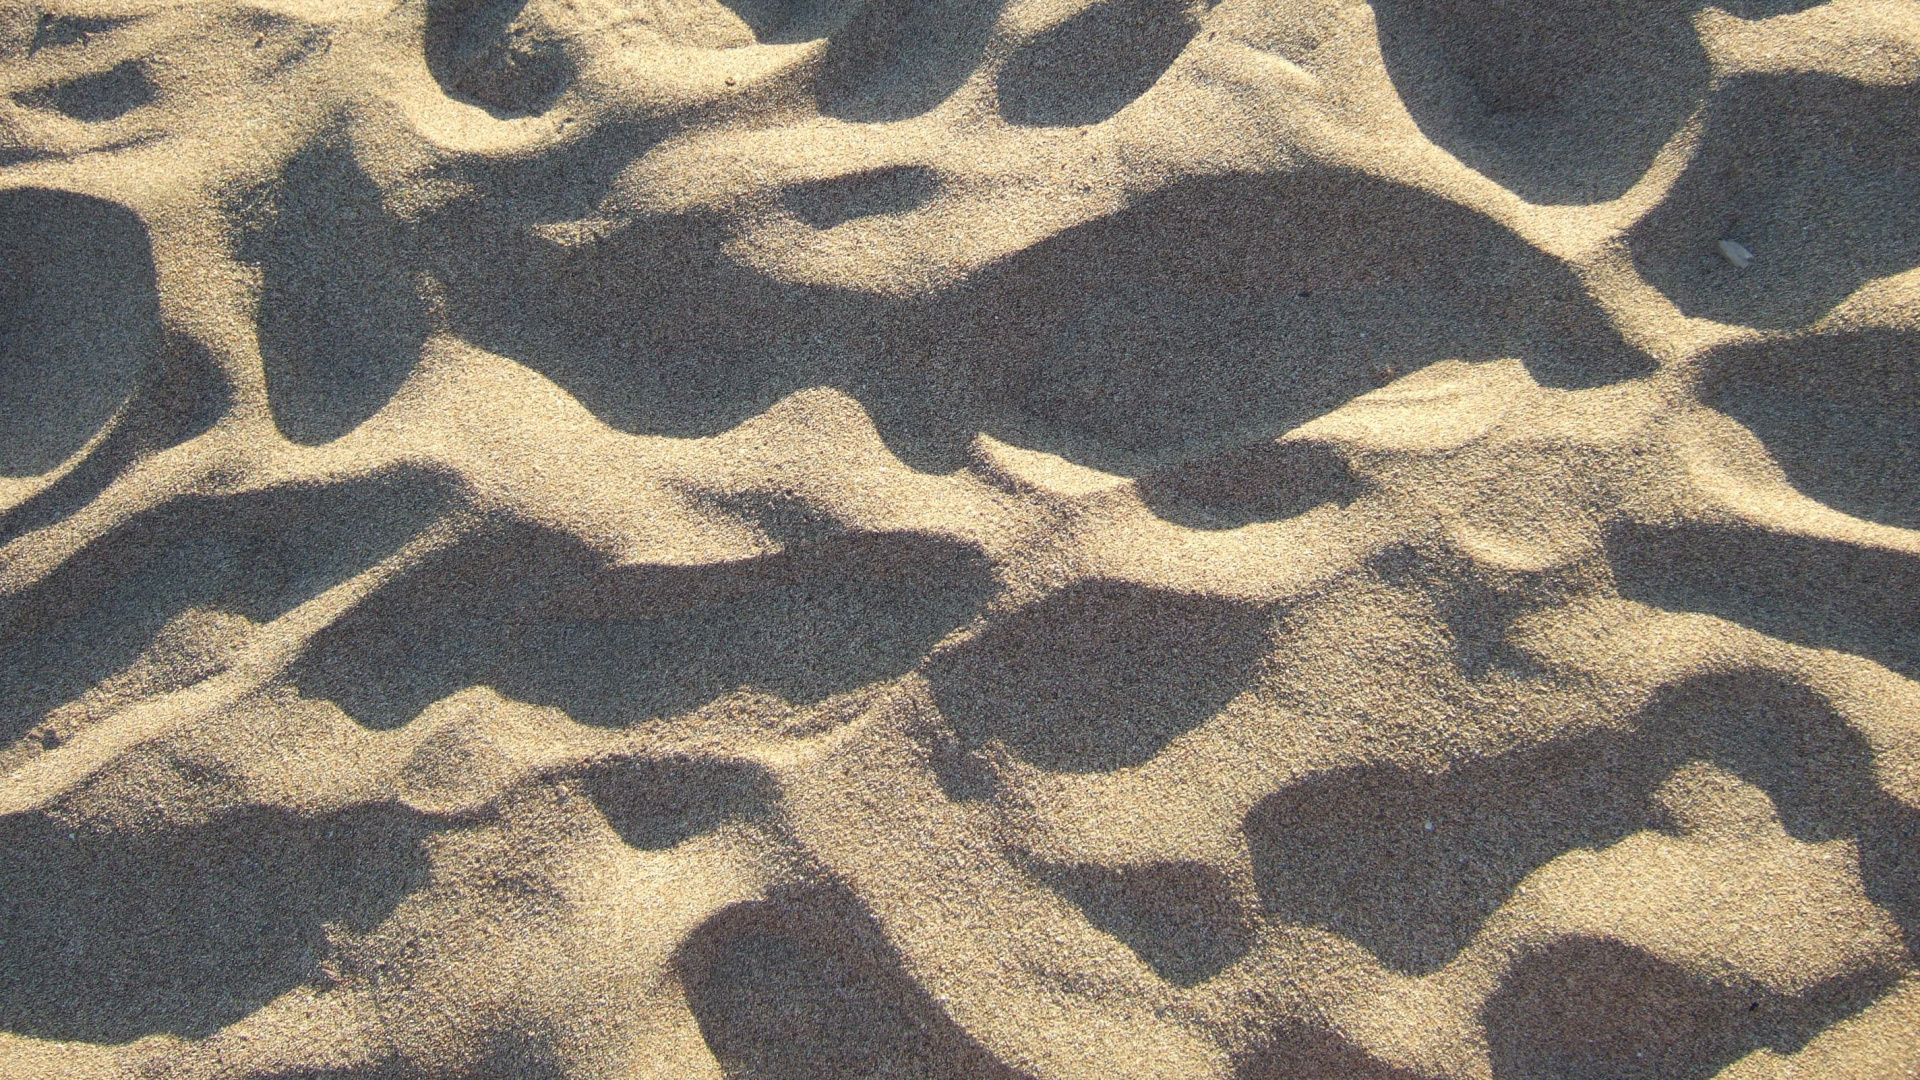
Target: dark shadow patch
x: 963, y: 776
x: 1782, y: 738
x: 1557, y: 100
x: 652, y: 328
x: 657, y: 330
x: 1215, y: 314
x: 1100, y: 675
x: 804, y: 987
x: 1840, y: 414
x: 1583, y: 1009
x: 823, y: 204
x: 1476, y: 604
x: 897, y: 59
x: 58, y: 30
x: 183, y: 396
x: 656, y: 804
x: 112, y: 937
x: 788, y: 22
x: 1821, y: 593
x: 340, y: 324
x: 1816, y: 768
x: 567, y: 181
x: 1351, y: 851
x: 1096, y: 63
x: 256, y: 556
x: 487, y: 53
x: 1293, y: 1052
x: 543, y: 620
x: 1178, y: 918
x: 1818, y: 176
x: 1272, y: 481
x: 79, y: 322
x: 1765, y: 9
x: 101, y: 96
x: 1239, y: 308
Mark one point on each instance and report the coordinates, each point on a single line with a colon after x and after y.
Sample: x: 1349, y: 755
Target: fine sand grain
x: 960, y: 539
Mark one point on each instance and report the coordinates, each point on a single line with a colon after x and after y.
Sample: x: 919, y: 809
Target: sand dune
x: 1052, y: 539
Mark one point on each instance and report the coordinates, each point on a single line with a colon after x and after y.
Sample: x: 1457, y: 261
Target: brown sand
x: 1067, y: 540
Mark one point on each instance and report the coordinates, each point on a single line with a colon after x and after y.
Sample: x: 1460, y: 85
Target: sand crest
x: 1028, y: 540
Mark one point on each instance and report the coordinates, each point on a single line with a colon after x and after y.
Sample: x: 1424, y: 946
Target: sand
x: 1047, y: 539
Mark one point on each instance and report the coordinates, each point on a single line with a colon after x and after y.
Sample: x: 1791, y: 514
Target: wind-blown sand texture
x: 1067, y: 540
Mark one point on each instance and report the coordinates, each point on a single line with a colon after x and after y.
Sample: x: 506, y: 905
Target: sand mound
x: 1067, y: 540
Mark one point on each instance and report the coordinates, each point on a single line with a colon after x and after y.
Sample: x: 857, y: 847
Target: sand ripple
x: 917, y: 538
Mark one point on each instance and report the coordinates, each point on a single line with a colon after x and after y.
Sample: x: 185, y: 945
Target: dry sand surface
x: 960, y: 539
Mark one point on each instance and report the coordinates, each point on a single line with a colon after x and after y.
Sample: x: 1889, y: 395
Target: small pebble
x: 1736, y: 253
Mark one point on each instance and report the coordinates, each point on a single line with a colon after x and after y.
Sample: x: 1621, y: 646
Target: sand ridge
x: 928, y: 538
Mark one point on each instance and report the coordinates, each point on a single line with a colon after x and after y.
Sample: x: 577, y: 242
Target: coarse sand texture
x: 959, y: 540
